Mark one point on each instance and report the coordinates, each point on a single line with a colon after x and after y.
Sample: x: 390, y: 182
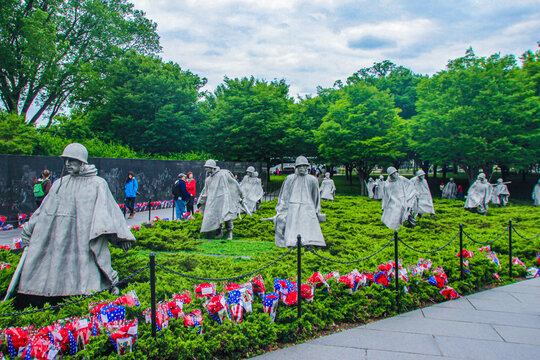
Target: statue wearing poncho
x: 378, y: 191
x: 68, y: 235
x: 370, y: 187
x: 298, y: 210
x: 399, y: 201
x: 424, y: 203
x: 450, y: 190
x: 479, y: 195
x: 500, y: 193
x: 220, y: 199
x: 252, y: 189
x: 328, y: 188
x: 536, y: 194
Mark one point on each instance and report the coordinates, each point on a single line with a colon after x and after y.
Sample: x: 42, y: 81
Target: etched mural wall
x: 155, y: 177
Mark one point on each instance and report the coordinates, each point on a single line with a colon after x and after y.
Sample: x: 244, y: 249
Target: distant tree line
x: 87, y: 71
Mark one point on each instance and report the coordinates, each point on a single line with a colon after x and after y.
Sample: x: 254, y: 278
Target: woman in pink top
x: 191, y: 185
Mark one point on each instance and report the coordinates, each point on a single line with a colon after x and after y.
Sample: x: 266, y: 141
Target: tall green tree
x: 477, y: 113
x: 246, y: 119
x: 49, y: 49
x: 398, y: 80
x: 147, y: 104
x: 17, y: 137
x: 358, y: 129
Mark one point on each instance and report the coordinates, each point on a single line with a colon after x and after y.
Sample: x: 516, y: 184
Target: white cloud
x: 311, y: 43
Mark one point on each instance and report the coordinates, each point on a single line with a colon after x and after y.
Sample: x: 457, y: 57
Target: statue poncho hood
x: 424, y: 203
x: 479, y: 195
x: 68, y: 235
x: 252, y: 191
x: 298, y: 210
x: 219, y: 200
x: 450, y: 191
x: 398, y: 202
x: 327, y: 189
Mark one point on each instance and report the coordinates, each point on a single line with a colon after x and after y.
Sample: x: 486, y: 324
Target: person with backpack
x: 130, y: 189
x: 42, y: 187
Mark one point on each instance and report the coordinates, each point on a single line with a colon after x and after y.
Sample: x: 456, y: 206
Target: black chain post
x: 149, y: 209
x: 461, y: 251
x: 153, y: 292
x: 173, y: 207
x: 396, y: 274
x: 510, y: 247
x: 299, y: 273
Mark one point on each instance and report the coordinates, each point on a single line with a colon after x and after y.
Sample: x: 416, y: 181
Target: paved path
x: 6, y: 237
x: 501, y: 323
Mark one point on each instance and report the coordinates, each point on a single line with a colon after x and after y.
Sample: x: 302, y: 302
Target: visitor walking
x: 130, y: 189
x: 41, y: 187
x: 191, y: 185
x: 181, y: 196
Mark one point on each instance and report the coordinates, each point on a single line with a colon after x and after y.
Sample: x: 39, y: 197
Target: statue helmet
x: 76, y: 151
x: 301, y: 160
x: 327, y: 175
x: 451, y: 179
x: 420, y: 172
x: 381, y: 177
x: 210, y: 164
x: 391, y: 170
x: 250, y: 169
x: 481, y: 176
x: 500, y: 180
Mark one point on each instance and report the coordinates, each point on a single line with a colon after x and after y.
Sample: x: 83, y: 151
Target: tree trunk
x: 434, y: 171
x: 425, y: 166
x: 268, y: 171
x: 445, y: 167
x: 488, y: 170
x: 350, y: 174
x: 472, y: 173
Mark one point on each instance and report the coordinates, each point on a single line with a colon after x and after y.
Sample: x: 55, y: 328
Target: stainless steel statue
x: 379, y: 188
x: 500, y: 193
x: 298, y: 211
x: 536, y: 194
x: 221, y: 200
x: 479, y: 195
x: 424, y: 204
x: 67, y: 238
x: 370, y: 185
x: 328, y: 188
x: 252, y: 189
x: 399, y: 201
x: 450, y: 190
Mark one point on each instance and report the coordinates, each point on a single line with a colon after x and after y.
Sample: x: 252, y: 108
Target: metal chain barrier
x: 193, y: 277
x: 429, y: 251
x: 486, y: 243
x: 523, y: 237
x: 350, y: 262
x: 84, y: 297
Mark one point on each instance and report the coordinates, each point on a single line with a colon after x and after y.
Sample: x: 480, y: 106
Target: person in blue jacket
x: 130, y: 189
x: 181, y: 196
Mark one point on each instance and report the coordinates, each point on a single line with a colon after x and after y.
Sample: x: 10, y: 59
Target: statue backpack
x: 38, y: 189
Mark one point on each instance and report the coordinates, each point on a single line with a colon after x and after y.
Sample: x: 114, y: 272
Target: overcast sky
x: 314, y: 42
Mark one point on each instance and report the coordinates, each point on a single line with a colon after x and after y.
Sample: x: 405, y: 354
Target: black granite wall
x: 155, y: 177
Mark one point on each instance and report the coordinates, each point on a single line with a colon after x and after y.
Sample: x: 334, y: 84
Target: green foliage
x: 353, y: 230
x: 477, y: 113
x: 245, y: 119
x: 50, y: 49
x: 146, y: 104
x: 17, y: 137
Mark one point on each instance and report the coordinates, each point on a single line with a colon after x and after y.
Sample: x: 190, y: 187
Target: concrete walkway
x: 501, y: 323
x: 6, y: 237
